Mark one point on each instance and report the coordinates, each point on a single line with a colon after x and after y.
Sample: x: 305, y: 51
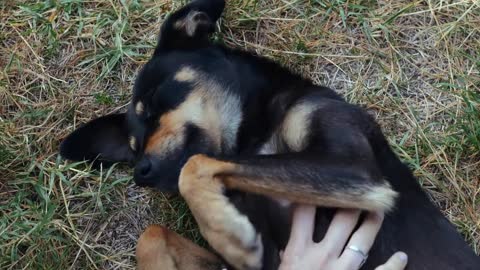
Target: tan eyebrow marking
x: 139, y: 108
x: 186, y: 74
x: 207, y: 106
x: 133, y: 143
x: 190, y: 23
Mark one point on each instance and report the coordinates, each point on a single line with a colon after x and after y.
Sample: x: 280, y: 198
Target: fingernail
x: 402, y: 256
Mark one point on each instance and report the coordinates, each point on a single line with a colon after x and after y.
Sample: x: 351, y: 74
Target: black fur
x: 267, y: 91
x: 104, y: 139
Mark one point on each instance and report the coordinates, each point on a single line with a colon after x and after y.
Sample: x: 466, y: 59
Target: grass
x: 414, y: 65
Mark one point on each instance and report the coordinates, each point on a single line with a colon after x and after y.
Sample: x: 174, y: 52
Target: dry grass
x: 415, y: 65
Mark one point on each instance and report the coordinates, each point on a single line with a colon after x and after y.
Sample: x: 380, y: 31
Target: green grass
x: 414, y: 65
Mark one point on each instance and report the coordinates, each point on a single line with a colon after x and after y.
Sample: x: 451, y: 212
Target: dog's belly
x: 414, y: 226
x: 418, y: 230
x: 272, y: 221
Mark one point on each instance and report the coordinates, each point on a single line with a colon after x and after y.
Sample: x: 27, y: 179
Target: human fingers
x: 302, y: 229
x: 398, y: 261
x: 361, y: 241
x: 339, y: 231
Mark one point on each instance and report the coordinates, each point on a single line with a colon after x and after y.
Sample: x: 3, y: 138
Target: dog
x: 242, y: 138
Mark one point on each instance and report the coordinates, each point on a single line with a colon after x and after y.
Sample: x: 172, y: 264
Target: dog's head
x: 181, y: 105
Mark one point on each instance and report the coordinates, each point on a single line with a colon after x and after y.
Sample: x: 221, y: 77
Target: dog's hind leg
x: 323, y: 182
x: 161, y: 249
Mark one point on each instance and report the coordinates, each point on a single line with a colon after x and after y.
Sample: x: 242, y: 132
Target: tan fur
x: 180, y: 25
x: 271, y: 146
x: 380, y: 196
x: 162, y: 249
x: 168, y: 137
x: 152, y: 252
x: 296, y: 125
x: 293, y: 131
x: 203, y: 181
x: 209, y: 107
x: 186, y: 74
x: 188, y: 24
x: 372, y: 198
x: 139, y: 108
x: 133, y: 143
x: 223, y: 226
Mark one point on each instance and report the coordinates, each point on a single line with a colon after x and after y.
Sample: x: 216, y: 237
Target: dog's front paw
x: 228, y: 231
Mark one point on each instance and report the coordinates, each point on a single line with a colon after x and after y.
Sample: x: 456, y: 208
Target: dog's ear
x: 190, y: 26
x: 104, y: 139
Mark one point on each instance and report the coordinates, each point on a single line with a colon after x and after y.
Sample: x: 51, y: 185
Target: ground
x: 413, y: 64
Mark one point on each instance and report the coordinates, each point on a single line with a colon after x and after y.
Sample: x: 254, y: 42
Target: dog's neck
x: 255, y: 99
x: 265, y: 90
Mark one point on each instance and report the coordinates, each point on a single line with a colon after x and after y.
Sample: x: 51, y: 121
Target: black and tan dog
x: 234, y: 132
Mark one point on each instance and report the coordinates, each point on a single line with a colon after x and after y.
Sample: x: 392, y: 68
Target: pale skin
x: 329, y: 254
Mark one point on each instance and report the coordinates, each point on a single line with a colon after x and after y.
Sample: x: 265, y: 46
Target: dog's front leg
x: 331, y: 183
x: 162, y: 249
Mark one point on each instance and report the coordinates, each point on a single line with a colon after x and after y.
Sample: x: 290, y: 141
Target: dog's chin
x: 161, y: 184
x: 173, y: 188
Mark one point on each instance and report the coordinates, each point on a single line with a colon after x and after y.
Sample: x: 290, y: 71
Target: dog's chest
x: 293, y: 132
x: 268, y: 148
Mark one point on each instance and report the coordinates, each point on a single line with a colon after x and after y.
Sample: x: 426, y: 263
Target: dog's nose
x: 143, y: 172
x: 144, y: 167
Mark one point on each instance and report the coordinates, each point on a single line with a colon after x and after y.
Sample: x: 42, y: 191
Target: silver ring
x: 359, y: 251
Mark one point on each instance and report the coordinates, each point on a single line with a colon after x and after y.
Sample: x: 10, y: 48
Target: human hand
x: 329, y: 254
